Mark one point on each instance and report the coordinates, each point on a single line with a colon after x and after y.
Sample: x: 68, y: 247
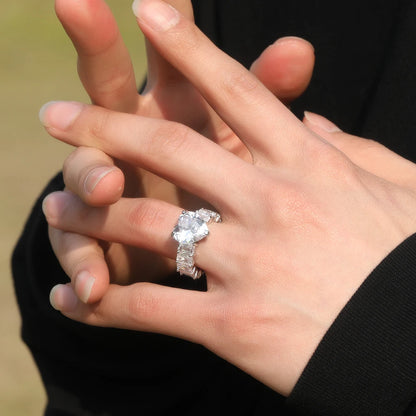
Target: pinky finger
x: 141, y: 307
x: 82, y: 259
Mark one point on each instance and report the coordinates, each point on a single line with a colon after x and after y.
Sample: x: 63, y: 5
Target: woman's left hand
x: 303, y: 225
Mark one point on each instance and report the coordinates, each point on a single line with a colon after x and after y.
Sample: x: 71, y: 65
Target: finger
x: 227, y: 86
x: 170, y: 150
x: 91, y: 175
x: 286, y: 67
x: 104, y: 63
x: 141, y: 307
x: 160, y: 71
x: 143, y: 223
x: 83, y: 261
x: 367, y: 154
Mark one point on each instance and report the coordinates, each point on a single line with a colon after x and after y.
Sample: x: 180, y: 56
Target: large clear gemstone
x: 190, y: 228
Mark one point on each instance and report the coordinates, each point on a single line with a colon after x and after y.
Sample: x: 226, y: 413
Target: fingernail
x: 95, y: 176
x: 294, y: 40
x: 60, y: 114
x: 84, y: 283
x: 53, y: 204
x: 321, y: 122
x: 63, y: 298
x: 159, y: 15
x: 135, y: 6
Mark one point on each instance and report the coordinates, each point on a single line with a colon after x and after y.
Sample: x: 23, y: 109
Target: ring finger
x: 144, y: 223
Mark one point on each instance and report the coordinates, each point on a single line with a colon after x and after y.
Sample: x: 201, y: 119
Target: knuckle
x: 237, y: 322
x: 79, y: 262
x: 286, y: 203
x: 99, y: 126
x: 80, y: 165
x: 144, y: 216
x: 187, y: 38
x: 170, y: 138
x: 240, y: 83
x: 340, y: 168
x: 75, y: 251
x: 69, y: 170
x: 141, y: 306
x: 113, y: 82
x: 331, y: 162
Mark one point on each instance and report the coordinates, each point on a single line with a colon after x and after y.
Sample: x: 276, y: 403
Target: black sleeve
x: 366, y: 363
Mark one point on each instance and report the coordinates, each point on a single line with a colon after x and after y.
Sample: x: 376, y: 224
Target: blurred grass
x: 37, y: 64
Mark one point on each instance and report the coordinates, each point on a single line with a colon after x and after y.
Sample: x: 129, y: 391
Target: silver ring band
x: 192, y: 227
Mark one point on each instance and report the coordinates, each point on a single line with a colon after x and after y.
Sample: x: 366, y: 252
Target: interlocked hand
x: 107, y: 73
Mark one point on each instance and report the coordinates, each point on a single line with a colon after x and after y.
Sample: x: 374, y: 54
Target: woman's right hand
x: 107, y: 74
x: 303, y: 225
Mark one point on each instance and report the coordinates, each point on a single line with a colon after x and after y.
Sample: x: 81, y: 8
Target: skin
x: 303, y: 223
x: 107, y: 74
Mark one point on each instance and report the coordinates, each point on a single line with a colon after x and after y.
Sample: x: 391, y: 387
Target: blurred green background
x: 38, y: 64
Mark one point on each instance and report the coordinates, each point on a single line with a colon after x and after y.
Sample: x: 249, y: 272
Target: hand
x: 107, y: 74
x: 303, y: 225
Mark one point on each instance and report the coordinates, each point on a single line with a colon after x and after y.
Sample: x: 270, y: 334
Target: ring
x: 192, y: 227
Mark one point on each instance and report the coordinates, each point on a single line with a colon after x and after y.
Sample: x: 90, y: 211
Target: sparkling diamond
x: 208, y: 215
x: 190, y: 228
x: 186, y: 250
x: 204, y: 214
x: 185, y: 262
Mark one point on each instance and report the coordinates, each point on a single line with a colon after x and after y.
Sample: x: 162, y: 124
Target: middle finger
x: 236, y: 94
